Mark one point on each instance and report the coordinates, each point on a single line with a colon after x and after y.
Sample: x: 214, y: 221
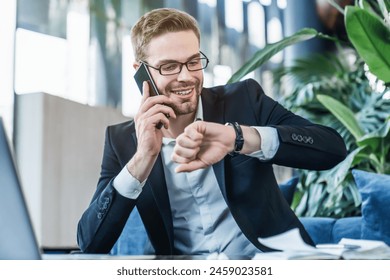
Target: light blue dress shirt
x: 202, y: 221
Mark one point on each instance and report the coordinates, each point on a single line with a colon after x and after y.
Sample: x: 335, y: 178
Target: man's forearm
x: 252, y: 140
x: 140, y: 166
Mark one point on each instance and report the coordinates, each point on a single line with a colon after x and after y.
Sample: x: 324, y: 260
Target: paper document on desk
x: 368, y: 250
x: 292, y: 246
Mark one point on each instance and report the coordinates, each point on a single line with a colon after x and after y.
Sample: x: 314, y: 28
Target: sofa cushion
x: 288, y: 188
x: 331, y: 230
x: 375, y: 193
x: 319, y: 228
x: 349, y: 227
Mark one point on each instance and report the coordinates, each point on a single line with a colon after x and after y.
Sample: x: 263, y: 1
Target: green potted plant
x: 368, y: 30
x: 341, y: 96
x: 327, y: 79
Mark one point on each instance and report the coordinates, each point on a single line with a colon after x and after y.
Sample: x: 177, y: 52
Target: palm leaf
x: 265, y: 54
x: 343, y: 114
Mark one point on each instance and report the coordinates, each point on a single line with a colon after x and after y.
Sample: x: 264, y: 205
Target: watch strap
x: 239, y: 141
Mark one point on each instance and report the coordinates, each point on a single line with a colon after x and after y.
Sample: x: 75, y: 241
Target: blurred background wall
x: 80, y: 49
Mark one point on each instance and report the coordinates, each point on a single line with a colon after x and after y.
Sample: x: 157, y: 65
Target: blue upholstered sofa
x: 374, y: 224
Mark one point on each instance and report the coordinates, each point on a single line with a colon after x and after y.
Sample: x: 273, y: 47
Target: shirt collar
x: 199, y: 112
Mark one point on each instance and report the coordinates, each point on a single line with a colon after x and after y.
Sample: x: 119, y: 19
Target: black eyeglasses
x: 173, y: 68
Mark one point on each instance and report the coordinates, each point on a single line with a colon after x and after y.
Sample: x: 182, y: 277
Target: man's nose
x: 184, y: 74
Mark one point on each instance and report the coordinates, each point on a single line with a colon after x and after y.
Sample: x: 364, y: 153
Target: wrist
x: 140, y: 166
x: 252, y: 140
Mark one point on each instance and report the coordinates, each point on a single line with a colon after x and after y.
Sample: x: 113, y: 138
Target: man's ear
x: 136, y: 65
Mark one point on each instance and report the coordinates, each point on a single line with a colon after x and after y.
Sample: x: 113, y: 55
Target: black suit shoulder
x: 122, y: 128
x: 234, y: 90
x: 246, y: 103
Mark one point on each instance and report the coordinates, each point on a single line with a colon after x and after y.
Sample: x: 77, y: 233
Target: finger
x: 191, y: 166
x: 181, y: 155
x: 153, y: 105
x: 194, y: 135
x: 166, y: 110
x: 180, y: 160
x: 190, y: 138
x: 145, y: 90
x: 162, y: 120
x: 145, y: 97
x: 196, y: 129
x: 155, y: 113
x: 183, y: 141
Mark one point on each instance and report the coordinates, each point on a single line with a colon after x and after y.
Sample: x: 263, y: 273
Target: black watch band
x: 239, y: 142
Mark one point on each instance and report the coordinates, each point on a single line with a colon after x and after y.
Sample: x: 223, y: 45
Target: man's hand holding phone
x: 152, y: 111
x: 141, y: 75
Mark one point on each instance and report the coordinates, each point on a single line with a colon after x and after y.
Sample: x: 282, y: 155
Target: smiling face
x: 185, y: 87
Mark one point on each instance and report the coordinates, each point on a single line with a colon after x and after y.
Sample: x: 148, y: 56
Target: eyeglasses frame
x: 181, y: 65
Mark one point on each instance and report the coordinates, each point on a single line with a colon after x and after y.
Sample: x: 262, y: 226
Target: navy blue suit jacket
x: 247, y: 184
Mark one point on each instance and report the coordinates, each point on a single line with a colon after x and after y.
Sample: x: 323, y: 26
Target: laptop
x: 17, y: 236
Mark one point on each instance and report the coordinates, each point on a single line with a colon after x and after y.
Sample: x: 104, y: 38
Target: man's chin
x: 184, y: 110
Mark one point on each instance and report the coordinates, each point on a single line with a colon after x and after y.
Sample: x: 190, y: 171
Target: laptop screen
x: 17, y: 238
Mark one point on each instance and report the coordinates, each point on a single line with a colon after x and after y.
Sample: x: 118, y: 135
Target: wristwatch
x: 239, y: 142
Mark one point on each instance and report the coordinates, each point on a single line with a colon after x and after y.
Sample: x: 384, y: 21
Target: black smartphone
x: 142, y: 74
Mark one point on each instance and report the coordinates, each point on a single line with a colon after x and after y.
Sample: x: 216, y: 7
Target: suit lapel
x: 158, y: 187
x: 156, y: 183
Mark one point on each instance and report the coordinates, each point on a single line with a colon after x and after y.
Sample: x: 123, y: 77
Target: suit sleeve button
x: 294, y: 137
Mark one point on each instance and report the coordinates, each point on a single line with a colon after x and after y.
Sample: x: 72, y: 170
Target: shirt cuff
x: 127, y: 185
x: 269, y: 143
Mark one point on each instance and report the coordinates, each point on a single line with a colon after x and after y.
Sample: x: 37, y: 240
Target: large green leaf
x: 343, y: 114
x: 374, y: 138
x: 371, y: 38
x: 263, y: 55
x: 338, y: 173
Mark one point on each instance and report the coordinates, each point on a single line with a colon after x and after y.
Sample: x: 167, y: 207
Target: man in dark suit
x: 197, y: 162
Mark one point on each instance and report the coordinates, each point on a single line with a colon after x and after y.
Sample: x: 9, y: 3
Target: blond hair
x: 158, y: 22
